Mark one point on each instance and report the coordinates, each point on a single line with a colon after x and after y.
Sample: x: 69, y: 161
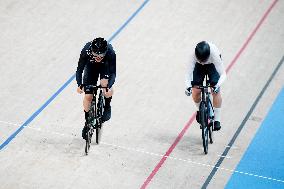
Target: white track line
x: 190, y: 161
x: 9, y: 123
x: 228, y: 157
x: 153, y: 154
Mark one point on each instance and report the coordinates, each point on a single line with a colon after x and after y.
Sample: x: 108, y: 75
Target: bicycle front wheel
x: 100, y: 107
x: 204, y: 126
x: 210, y: 120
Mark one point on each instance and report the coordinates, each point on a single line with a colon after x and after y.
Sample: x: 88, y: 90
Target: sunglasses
x: 98, y: 55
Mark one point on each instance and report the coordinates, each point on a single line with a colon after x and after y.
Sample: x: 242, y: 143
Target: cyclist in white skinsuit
x: 206, y: 60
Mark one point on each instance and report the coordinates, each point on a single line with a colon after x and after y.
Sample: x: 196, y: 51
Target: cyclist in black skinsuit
x: 97, y: 58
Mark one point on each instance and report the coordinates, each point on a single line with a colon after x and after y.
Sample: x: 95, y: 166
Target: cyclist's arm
x: 218, y: 62
x: 81, y: 65
x: 222, y: 73
x: 189, y: 72
x: 111, y: 68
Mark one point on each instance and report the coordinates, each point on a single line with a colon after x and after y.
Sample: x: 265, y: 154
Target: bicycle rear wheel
x: 204, y: 125
x: 97, y: 135
x: 210, y: 128
x: 88, y: 141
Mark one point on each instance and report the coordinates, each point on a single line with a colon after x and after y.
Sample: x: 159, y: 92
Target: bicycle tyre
x: 87, y: 147
x: 204, y: 125
x: 210, y: 128
x: 99, y: 115
x: 211, y: 122
x: 97, y: 135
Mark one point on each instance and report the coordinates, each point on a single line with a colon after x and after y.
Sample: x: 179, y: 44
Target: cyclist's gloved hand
x: 80, y: 89
x: 104, y: 82
x: 216, y: 89
x: 188, y: 91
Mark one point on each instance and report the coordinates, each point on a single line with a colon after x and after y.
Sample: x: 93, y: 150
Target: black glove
x: 216, y: 89
x: 188, y: 91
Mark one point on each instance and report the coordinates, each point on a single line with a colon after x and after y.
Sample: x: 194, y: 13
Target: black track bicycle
x: 206, y: 114
x: 95, y: 122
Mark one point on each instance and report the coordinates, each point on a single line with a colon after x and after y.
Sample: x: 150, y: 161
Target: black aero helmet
x: 99, y: 45
x: 202, y: 51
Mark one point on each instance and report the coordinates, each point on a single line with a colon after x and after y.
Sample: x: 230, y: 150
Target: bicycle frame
x: 206, y: 97
x: 95, y: 115
x: 94, y: 105
x: 206, y: 114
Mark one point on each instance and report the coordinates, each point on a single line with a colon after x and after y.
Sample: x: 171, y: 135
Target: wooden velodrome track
x: 152, y: 140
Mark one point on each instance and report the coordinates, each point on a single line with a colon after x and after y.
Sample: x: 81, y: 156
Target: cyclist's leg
x: 107, y: 107
x: 87, y: 101
x: 109, y: 92
x: 217, y: 98
x: 90, y: 78
x: 217, y: 103
x: 104, y: 79
x: 198, y: 77
x: 108, y: 97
